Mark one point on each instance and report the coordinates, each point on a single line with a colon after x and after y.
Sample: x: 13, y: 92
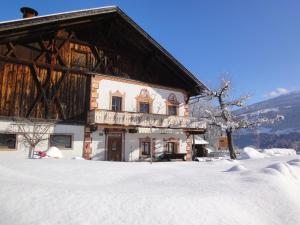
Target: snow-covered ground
x: 261, y: 191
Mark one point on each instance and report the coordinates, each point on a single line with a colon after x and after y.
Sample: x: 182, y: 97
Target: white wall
x: 131, y: 150
x: 131, y: 91
x: 98, y: 142
x: 132, y: 144
x: 98, y: 145
x: 77, y: 131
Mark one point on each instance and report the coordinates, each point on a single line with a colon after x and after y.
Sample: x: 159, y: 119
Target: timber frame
x: 47, y: 62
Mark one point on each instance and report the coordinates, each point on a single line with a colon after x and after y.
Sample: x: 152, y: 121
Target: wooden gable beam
x: 41, y: 90
x: 11, y: 50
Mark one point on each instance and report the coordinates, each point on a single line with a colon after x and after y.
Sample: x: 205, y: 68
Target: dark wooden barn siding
x: 19, y: 92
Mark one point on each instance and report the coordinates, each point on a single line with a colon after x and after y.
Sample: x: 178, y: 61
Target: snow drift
x: 250, y: 153
x: 237, y: 168
x: 76, y: 192
x: 54, y: 152
x: 279, y: 151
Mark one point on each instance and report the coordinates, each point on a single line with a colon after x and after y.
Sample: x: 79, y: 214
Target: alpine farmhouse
x: 113, y: 92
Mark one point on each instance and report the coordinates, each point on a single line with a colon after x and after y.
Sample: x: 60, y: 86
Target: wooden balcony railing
x: 108, y: 117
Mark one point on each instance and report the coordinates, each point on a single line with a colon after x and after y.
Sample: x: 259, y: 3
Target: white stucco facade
x: 76, y: 131
x: 106, y: 87
x: 131, y: 145
x: 131, y: 91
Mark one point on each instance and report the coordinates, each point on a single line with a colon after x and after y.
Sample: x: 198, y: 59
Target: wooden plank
x: 1, y: 86
x: 45, y: 66
x: 41, y: 88
x: 13, y: 87
x: 22, y: 85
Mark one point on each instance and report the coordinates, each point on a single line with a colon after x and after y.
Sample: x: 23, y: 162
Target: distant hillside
x: 281, y: 134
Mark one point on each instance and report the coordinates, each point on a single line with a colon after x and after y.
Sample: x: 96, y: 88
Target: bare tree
x: 223, y: 116
x: 32, y: 133
x: 197, y: 109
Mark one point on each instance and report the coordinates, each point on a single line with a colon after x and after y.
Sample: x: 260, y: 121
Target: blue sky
x: 257, y: 42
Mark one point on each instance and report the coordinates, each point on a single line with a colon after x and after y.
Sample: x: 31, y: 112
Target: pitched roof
x: 14, y: 25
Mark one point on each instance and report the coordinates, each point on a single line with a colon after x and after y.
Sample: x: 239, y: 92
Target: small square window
x: 116, y: 104
x: 79, y: 58
x: 172, y: 110
x: 171, y: 147
x: 146, y: 148
x: 144, y: 107
x: 8, y: 141
x: 61, y: 141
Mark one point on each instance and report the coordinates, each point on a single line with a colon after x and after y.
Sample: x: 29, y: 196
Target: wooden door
x: 114, y: 147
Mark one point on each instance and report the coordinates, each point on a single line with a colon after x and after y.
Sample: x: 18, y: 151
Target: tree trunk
x: 151, y: 153
x: 230, y: 144
x: 193, y: 148
x: 30, y: 153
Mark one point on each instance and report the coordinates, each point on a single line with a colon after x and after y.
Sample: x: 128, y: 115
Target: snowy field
x: 260, y: 191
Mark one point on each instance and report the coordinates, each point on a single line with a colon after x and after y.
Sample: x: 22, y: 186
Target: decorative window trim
x: 176, y: 141
x: 100, y: 77
x: 141, y: 140
x: 117, y: 94
x: 65, y: 134
x: 144, y: 97
x: 172, y: 101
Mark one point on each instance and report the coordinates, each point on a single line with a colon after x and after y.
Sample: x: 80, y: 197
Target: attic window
x: 79, y: 58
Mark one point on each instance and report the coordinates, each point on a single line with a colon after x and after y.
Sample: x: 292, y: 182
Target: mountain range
x: 284, y: 133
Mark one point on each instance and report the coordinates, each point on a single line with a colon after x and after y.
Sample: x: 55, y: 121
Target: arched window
x: 117, y: 101
x: 144, y: 102
x: 172, y: 105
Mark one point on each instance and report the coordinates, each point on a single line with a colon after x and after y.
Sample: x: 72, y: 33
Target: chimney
x: 28, y: 12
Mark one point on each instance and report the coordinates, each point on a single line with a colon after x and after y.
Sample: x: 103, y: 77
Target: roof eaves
x: 38, y: 20
x: 162, y: 49
x: 20, y: 23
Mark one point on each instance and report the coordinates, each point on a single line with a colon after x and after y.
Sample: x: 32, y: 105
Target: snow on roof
x: 200, y: 141
x: 96, y: 10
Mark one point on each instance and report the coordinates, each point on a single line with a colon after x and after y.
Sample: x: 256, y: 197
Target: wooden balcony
x: 132, y: 119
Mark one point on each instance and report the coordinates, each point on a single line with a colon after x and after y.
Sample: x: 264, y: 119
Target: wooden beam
x: 41, y: 88
x: 54, y: 96
x: 45, y: 50
x: 11, y: 49
x: 55, y: 67
x: 17, y: 34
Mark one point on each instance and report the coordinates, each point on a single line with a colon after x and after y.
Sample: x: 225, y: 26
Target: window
x: 144, y: 107
x: 7, y: 141
x: 116, y: 104
x: 144, y: 102
x: 172, y: 110
x: 172, y: 105
x: 79, y: 58
x: 171, y: 147
x: 61, y: 141
x: 145, y: 147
